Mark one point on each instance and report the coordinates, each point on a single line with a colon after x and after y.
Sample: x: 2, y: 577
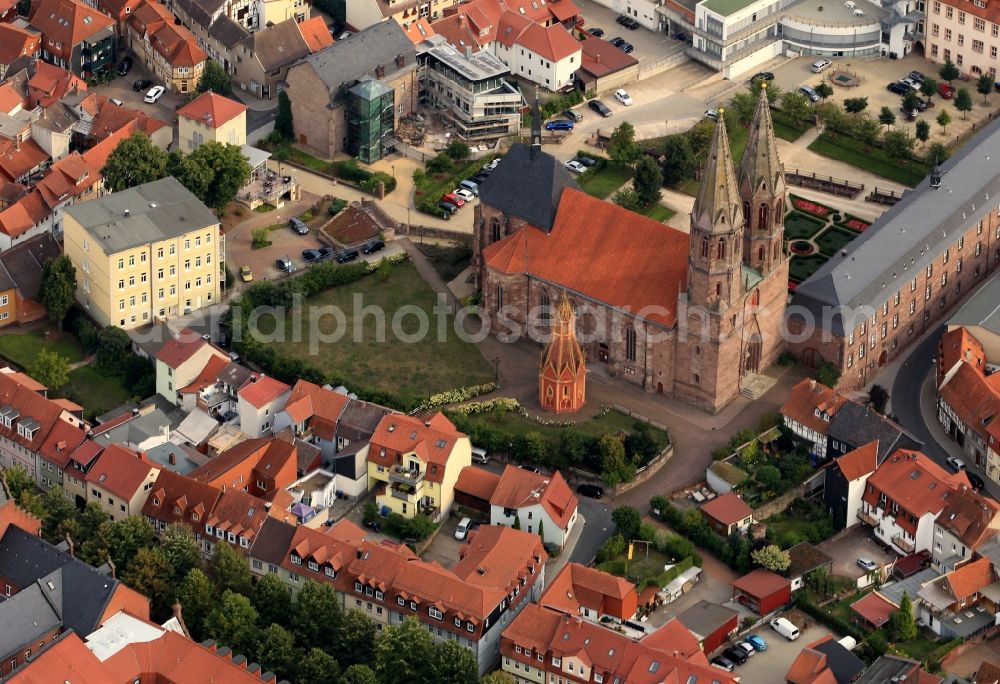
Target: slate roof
x: 348, y: 60
x: 888, y: 666
x: 200, y: 11
x: 21, y: 265
x: 856, y: 424
x: 893, y: 592
x: 227, y: 32
x: 805, y: 558
x: 279, y: 45
x: 527, y: 186
x: 981, y: 308
x: 273, y: 541
x: 705, y: 617
x: 359, y: 420
x: 908, y: 237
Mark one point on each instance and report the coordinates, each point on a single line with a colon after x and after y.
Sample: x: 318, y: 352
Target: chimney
x: 172, y: 459
x: 111, y: 564
x: 176, y: 608
x: 400, y: 61
x: 812, y: 384
x: 69, y: 543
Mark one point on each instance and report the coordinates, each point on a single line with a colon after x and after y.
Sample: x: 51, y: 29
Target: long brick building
x: 695, y: 316
x: 863, y: 307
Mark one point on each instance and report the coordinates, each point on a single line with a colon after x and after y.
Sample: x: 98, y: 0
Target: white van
x: 462, y: 531
x: 785, y: 628
x: 480, y: 456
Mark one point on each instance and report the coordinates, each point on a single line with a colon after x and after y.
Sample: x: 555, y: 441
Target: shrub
x: 260, y: 238
x: 612, y: 548
x: 337, y: 205
x: 306, y: 215
x: 439, y: 164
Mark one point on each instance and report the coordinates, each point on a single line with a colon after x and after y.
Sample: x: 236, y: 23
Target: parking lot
x: 852, y: 544
x: 444, y: 548
x: 772, y: 664
x: 649, y: 45
x: 120, y: 87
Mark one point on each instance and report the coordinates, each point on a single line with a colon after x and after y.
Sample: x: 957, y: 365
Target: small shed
x: 806, y: 558
x: 711, y: 624
x: 762, y: 591
x: 873, y: 610
x: 726, y: 513
x: 474, y: 488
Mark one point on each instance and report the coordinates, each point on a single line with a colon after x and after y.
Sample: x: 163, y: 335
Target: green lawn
x: 801, y: 267
x: 602, y: 182
x: 95, y: 392
x: 798, y: 226
x: 411, y: 371
x: 515, y: 424
x: 23, y: 348
x: 660, y: 213
x: 786, y: 129
x: 429, y: 187
x: 264, y: 208
x: 834, y: 239
x: 642, y: 570
x: 875, y: 160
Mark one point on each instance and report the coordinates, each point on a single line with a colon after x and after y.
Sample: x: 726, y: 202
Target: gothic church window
x: 630, y: 344
x: 495, y: 230
x: 720, y: 251
x: 704, y: 247
x: 762, y: 222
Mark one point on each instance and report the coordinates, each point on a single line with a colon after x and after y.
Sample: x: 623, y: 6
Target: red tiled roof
x: 179, y: 349
x: 120, y: 471
x: 50, y: 83
x: 263, y: 391
x: 519, y: 488
x: 874, y: 608
x: 578, y: 586
x: 315, y: 33
x: 600, y: 58
x: 177, y: 498
x: 239, y: 513
x: 12, y: 514
x: 67, y: 22
x: 17, y: 160
x: 208, y: 376
x: 808, y: 396
x: 477, y: 482
x: 988, y: 673
x: 860, y: 462
x: 173, y: 658
x: 807, y: 667
x: 215, y: 110
x: 26, y: 380
x: 345, y: 531
x: 970, y: 517
x: 17, y: 42
x: 432, y: 441
x: 728, y: 509
x: 966, y: 580
x: 10, y: 99
x: 173, y: 41
x: 577, y: 257
x: 915, y: 482
x: 420, y: 30
x: 61, y: 442
x: 957, y: 345
x: 31, y: 405
x: 975, y: 398
x: 65, y: 660
x: 674, y: 637
x: 761, y: 583
x: 321, y: 407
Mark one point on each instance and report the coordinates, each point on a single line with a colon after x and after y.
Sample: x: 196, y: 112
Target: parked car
x: 298, y: 226
x: 373, y: 246
x: 897, y: 88
x: 326, y: 252
x: 575, y: 166
x: 627, y: 48
x: 820, y: 65
x: 481, y: 176
x: 345, y: 255
x: 454, y: 199
x: 141, y: 84
x: 573, y: 115
x: 596, y: 32
x: 471, y: 186
x: 617, y: 42
x: 946, y: 91
x: 309, y: 255
x: 631, y: 24
x: 284, y: 264
x: 867, y: 564
x: 910, y: 83
x: 785, y: 628
x: 246, y: 275
x: 493, y: 164
x: 758, y: 642
x: 463, y: 194
x: 559, y: 125
x: 809, y: 92
x: 736, y: 654
x: 723, y: 663
x: 480, y: 456
x: 955, y: 464
x: 448, y: 207
x: 682, y: 36
x: 762, y: 76
x: 116, y: 102
x: 590, y: 490
x: 600, y: 108
x: 916, y: 76
x: 462, y: 531
x: 976, y: 481
x: 586, y: 161
x: 153, y: 94
x: 125, y: 66
x: 622, y: 96
x: 712, y: 114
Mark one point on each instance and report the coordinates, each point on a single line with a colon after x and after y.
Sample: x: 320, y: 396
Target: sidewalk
x: 554, y: 565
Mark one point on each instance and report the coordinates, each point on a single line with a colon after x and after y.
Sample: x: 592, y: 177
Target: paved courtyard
x: 850, y: 545
x: 771, y: 665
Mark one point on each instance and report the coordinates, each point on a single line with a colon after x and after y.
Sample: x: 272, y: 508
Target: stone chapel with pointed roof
x: 696, y: 316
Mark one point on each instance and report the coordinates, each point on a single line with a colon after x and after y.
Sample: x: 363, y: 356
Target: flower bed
x: 854, y: 223
x: 811, y: 207
x: 801, y: 247
x: 799, y: 226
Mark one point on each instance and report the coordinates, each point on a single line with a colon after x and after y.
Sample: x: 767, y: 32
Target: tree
x: 316, y: 617
x: 773, y: 91
x: 181, y: 550
x: 19, y: 480
x: 49, y: 368
x: 615, y: 469
x: 233, y: 622
x: 867, y: 130
x: 359, y: 674
x: 354, y: 640
x: 58, y: 512
x: 648, y: 181
x: 771, y: 557
x: 271, y: 599
x: 517, y: 522
x: 58, y: 289
x: 943, y: 119
x: 541, y: 530
x: 453, y: 663
x: 768, y: 475
x: 824, y: 90
x: 124, y: 539
x: 984, y: 86
x: 439, y: 164
x: 197, y: 598
x: 911, y: 101
x: 457, y: 150
x: 898, y: 144
x: 192, y: 174
x: 795, y: 105
x: 113, y: 348
x: 855, y: 105
x: 498, y: 677
x: 963, y: 101
x: 936, y: 154
x: 230, y: 171
x: 627, y: 198
x: 904, y: 627
x: 948, y: 71
x: 878, y: 397
x: 928, y: 87
x: 319, y: 667
x: 215, y: 78
x: 150, y: 574
x: 622, y: 147
x: 742, y: 106
x: 678, y: 159
x: 135, y: 161
x: 627, y: 521
x: 283, y: 123
x: 229, y: 570
x: 403, y: 653
x: 886, y: 117
x: 922, y: 131
x: 276, y: 652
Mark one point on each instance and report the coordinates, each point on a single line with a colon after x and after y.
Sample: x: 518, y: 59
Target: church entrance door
x: 752, y: 364
x: 602, y: 353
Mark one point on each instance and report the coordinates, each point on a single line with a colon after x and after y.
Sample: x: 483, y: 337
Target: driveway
x: 772, y: 664
x: 851, y: 544
x: 444, y: 548
x: 649, y: 45
x: 121, y: 88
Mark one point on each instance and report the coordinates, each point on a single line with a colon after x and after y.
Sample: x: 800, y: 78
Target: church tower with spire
x: 761, y: 179
x: 562, y: 380
x: 715, y: 253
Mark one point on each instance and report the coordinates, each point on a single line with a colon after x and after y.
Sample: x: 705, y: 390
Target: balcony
x: 404, y: 492
x: 403, y: 475
x: 867, y: 518
x: 903, y: 543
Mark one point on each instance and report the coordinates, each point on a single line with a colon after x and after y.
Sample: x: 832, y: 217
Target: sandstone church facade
x: 689, y: 315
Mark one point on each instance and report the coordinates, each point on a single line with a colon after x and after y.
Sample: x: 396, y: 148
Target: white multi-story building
x: 540, y: 504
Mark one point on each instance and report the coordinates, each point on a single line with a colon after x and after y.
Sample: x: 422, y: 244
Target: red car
x: 946, y: 91
x: 454, y: 199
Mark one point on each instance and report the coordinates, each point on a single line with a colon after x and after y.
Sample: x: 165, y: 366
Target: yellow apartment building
x: 146, y: 254
x: 210, y: 117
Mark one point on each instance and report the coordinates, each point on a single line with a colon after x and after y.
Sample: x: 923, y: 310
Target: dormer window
x: 358, y: 587
x: 413, y: 605
x: 208, y: 528
x: 244, y: 542
x: 177, y: 510
x: 458, y: 622
x: 296, y: 559
x: 435, y: 613
x: 195, y: 517
x: 156, y: 502
x: 314, y: 566
x: 329, y: 571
